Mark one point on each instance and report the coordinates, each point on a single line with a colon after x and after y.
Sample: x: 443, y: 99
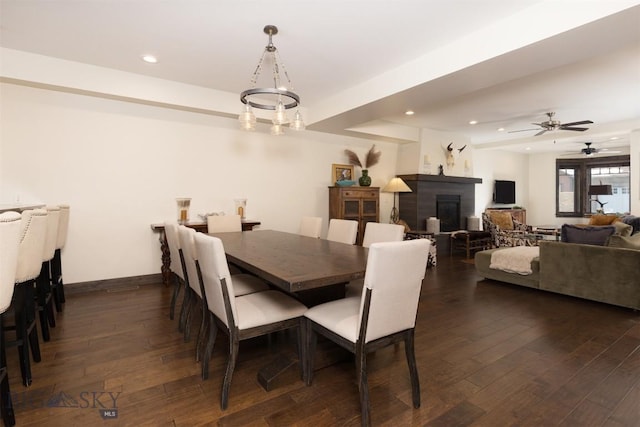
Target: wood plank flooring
x: 489, y: 354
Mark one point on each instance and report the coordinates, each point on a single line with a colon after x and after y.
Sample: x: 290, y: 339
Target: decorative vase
x: 365, y: 179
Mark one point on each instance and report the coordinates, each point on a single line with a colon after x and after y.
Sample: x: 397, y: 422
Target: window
x: 575, y: 176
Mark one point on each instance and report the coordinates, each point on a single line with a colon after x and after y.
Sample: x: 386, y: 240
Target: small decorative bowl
x: 345, y: 183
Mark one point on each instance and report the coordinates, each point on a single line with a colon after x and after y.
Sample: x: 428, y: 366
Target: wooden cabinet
x: 361, y: 204
x: 519, y: 215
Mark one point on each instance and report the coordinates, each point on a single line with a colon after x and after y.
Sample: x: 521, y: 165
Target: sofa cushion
x: 602, y: 219
x: 504, y: 220
x: 628, y: 242
x: 588, y: 235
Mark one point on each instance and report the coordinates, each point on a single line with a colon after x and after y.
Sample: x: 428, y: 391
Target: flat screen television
x: 504, y: 192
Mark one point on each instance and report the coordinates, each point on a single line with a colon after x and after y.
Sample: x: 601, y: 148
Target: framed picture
x: 341, y: 173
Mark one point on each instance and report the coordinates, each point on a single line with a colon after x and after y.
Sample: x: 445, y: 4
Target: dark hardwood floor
x: 489, y: 354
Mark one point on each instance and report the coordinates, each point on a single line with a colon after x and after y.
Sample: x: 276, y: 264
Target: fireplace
x: 449, y: 198
x: 448, y: 211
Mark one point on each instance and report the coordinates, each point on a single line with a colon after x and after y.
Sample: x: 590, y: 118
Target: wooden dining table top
x: 293, y: 262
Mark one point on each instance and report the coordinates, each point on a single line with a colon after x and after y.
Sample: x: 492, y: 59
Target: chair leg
x: 56, y: 283
x: 31, y: 329
x: 208, y: 350
x: 26, y: 330
x: 413, y: 368
x: 202, y: 332
x: 6, y: 406
x: 183, y: 311
x: 231, y: 364
x: 174, y: 296
x: 187, y: 323
x: 41, y: 294
x: 363, y: 386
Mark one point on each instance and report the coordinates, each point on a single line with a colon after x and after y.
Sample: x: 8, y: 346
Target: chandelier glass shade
x: 278, y: 98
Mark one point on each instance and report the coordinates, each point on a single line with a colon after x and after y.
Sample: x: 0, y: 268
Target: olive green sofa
x: 598, y: 273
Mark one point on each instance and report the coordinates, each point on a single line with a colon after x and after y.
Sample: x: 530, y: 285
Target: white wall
x: 433, y: 145
x: 121, y: 165
x: 495, y: 164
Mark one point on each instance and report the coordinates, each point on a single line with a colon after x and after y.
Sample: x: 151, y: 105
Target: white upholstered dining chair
x: 384, y: 315
x: 343, y: 231
x: 240, y: 317
x: 177, y: 267
x: 310, y: 226
x: 194, y: 294
x: 223, y: 223
x: 374, y: 232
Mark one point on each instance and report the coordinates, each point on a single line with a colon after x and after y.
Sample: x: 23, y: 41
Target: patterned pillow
x: 631, y: 242
x: 504, y: 220
x: 589, y: 235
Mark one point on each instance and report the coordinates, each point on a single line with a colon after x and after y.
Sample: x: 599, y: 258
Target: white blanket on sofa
x: 514, y: 260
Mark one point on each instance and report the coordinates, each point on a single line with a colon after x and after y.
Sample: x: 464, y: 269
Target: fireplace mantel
x: 421, y: 203
x: 441, y: 178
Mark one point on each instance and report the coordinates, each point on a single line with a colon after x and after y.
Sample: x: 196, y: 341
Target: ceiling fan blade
x: 577, y: 129
x: 541, y: 132
x: 584, y: 122
x: 521, y: 130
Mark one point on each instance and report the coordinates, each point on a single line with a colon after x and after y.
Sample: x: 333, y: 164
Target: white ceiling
x: 359, y: 64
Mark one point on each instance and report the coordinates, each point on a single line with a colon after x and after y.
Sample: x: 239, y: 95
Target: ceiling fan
x: 588, y: 150
x: 552, y: 124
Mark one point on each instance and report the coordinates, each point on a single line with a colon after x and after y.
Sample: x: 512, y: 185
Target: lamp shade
x: 396, y: 185
x: 600, y: 190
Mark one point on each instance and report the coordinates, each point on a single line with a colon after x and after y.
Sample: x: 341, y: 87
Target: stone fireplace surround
x: 430, y: 190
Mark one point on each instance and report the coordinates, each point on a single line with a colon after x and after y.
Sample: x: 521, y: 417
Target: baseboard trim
x: 113, y: 285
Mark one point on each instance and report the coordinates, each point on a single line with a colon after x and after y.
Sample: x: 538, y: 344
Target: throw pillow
x: 587, y: 235
x: 602, y: 219
x: 622, y: 229
x: 630, y: 242
x: 504, y: 220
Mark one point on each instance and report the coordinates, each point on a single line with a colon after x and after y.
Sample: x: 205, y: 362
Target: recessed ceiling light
x: 150, y: 59
x: 528, y: 148
x: 500, y: 129
x: 409, y: 113
x: 473, y: 122
x: 613, y: 138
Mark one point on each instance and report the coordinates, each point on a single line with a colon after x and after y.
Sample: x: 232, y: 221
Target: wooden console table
x: 201, y: 226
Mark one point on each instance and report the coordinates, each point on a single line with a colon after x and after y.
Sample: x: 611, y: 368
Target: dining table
x: 313, y: 270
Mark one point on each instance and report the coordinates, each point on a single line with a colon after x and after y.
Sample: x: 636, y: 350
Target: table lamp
x: 396, y: 185
x: 600, y: 190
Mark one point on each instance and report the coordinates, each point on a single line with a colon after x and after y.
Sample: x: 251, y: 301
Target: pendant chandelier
x: 278, y: 98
